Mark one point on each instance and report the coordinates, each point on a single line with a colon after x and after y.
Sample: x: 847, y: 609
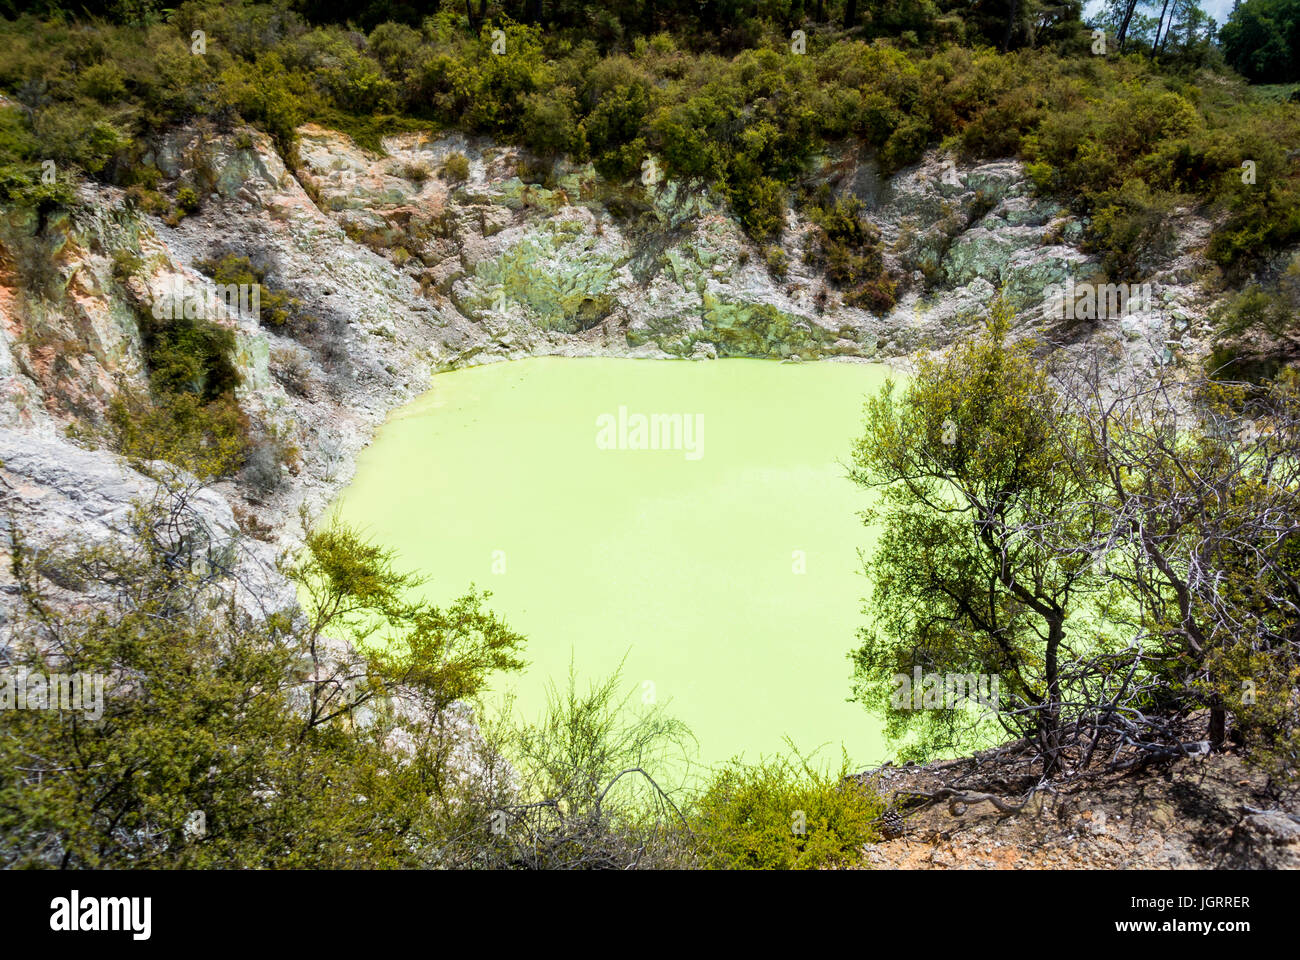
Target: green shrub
x: 189, y: 355
x: 1253, y: 329
x: 277, y: 308
x: 205, y: 708
x: 550, y: 125
x: 104, y: 81
x: 784, y: 814
x: 190, y: 416
x: 126, y: 264
x: 687, y: 137
x: 906, y: 144
x: 1130, y: 229
x: 848, y: 248
x: 599, y: 776
x: 23, y: 185
x: 613, y: 128
x: 455, y: 167
x: 148, y: 200
x: 187, y: 200
x: 778, y: 264
x: 759, y: 203
x: 210, y: 439
x: 267, y: 94
x: 417, y: 173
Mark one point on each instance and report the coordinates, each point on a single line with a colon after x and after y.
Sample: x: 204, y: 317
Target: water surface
x: 725, y: 570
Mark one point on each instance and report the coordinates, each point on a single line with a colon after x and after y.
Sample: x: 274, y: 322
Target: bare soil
x: 1211, y: 811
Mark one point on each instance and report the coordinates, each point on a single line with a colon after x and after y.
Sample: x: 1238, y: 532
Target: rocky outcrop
x: 1211, y: 811
x: 404, y: 265
x: 69, y: 334
x: 403, y: 269
x: 57, y: 496
x: 560, y: 261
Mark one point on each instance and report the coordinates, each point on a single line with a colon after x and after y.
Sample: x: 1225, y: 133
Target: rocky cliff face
x: 60, y: 497
x: 402, y: 272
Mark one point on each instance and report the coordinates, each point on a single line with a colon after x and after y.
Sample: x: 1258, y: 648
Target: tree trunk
x: 850, y: 14
x: 475, y: 20
x: 1049, y: 720
x: 1123, y: 27
x: 1012, y: 14
x: 1155, y: 46
x: 1218, y: 725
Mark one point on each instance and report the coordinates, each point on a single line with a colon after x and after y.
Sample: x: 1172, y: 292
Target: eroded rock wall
x: 403, y: 271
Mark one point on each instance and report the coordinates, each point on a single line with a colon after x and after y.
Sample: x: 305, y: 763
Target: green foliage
x: 187, y: 200
x: 848, y: 248
x: 1267, y: 720
x: 285, y: 751
x: 126, y: 264
x: 354, y: 590
x: 602, y: 781
x: 967, y: 458
x: 612, y: 130
x: 550, y: 123
x: 778, y: 264
x: 1263, y: 210
x: 584, y: 740
x: 1126, y: 157
x: 268, y: 94
x: 1231, y: 625
x: 1130, y: 229
x: 1255, y: 329
x: 104, y: 81
x: 24, y: 186
x: 684, y: 134
x: 22, y: 180
x: 276, y: 307
x: 210, y: 439
x: 758, y: 202
x: 415, y: 172
x: 191, y: 417
x: 455, y: 167
x: 1261, y: 40
x: 148, y: 200
x: 783, y: 814
x: 189, y: 355
x: 1056, y: 531
x: 17, y: 142
x: 1124, y: 142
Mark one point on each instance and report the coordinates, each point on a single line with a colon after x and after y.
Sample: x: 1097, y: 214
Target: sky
x: 1218, y: 9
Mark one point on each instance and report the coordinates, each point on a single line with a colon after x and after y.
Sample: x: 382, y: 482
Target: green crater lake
x: 724, y: 568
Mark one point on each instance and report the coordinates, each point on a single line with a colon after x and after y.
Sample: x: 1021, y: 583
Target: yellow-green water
x: 730, y: 581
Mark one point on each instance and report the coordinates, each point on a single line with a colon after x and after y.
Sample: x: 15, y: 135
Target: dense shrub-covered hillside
x: 1122, y: 137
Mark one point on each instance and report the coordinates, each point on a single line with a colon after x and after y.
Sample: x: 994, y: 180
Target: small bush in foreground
x: 784, y: 814
x: 222, y: 740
